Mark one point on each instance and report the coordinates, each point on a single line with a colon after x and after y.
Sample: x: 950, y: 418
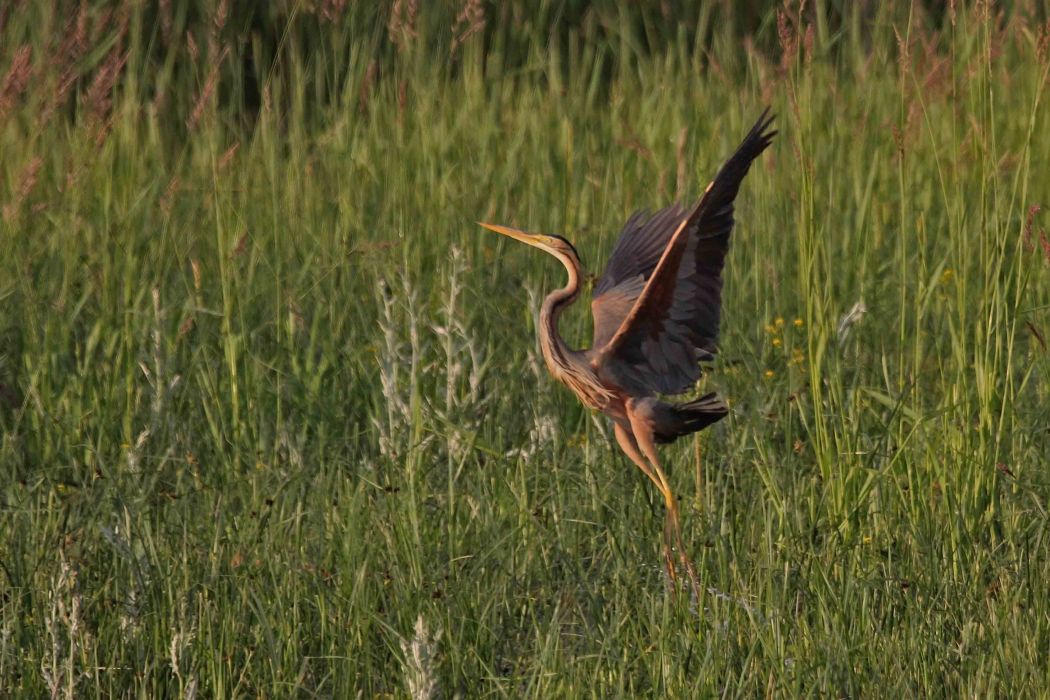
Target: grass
x: 274, y: 422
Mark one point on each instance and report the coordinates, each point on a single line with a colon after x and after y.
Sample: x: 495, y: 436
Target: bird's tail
x: 689, y: 417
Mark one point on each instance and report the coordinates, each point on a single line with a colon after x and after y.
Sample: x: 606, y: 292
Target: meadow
x: 273, y: 421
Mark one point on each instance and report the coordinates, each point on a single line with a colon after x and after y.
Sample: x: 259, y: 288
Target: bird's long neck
x: 567, y: 365
x: 555, y: 352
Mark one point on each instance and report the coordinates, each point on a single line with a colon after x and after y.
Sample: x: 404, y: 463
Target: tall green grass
x: 274, y: 422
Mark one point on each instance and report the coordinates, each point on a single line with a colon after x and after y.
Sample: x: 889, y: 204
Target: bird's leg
x: 643, y: 437
x: 699, y: 477
x: 674, y: 525
x: 630, y: 447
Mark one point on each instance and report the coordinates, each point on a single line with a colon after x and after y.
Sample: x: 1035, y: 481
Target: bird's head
x: 555, y: 245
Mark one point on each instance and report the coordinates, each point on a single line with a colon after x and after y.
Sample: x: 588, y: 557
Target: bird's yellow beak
x: 533, y: 239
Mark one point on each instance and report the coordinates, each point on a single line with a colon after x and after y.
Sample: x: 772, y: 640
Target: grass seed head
x: 228, y: 156
x: 420, y: 653
x: 1026, y: 236
x: 206, y: 93
x: 168, y: 198
x: 788, y: 41
x: 98, y: 100
x: 469, y: 21
x: 333, y: 10
x: 365, y: 91
x: 26, y: 185
x: 1042, y: 46
x: 402, y: 25
x: 17, y: 79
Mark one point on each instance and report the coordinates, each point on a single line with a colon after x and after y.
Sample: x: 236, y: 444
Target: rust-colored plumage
x: 657, y: 310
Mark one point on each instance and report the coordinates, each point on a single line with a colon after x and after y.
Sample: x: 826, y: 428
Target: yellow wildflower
x: 770, y: 374
x: 797, y: 322
x: 779, y: 322
x: 776, y: 342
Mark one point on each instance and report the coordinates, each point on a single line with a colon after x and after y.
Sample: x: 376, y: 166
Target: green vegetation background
x: 272, y: 418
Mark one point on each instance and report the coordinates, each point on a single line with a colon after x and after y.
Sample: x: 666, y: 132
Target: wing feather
x: 673, y: 321
x: 639, y: 246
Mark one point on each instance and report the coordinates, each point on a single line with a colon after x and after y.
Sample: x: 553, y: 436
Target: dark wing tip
x: 758, y: 139
x: 735, y: 168
x: 764, y: 120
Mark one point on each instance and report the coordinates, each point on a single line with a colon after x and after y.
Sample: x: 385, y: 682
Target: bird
x: 656, y: 312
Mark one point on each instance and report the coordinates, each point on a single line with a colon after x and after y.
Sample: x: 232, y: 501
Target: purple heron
x: 656, y: 317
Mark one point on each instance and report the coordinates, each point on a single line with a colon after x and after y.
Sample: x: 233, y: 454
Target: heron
x: 656, y: 312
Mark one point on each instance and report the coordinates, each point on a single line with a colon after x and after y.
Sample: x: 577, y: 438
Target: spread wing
x: 639, y: 247
x: 657, y: 315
